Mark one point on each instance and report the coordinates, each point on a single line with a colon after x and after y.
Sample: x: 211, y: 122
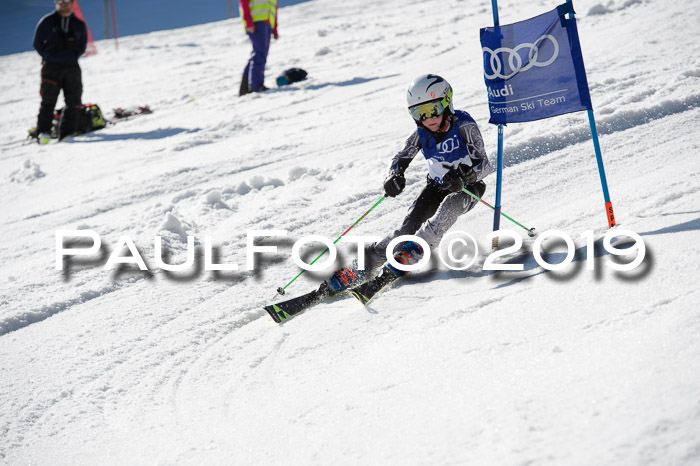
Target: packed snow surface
x: 576, y: 366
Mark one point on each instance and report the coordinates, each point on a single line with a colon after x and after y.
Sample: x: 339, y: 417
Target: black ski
x: 366, y: 291
x: 284, y: 310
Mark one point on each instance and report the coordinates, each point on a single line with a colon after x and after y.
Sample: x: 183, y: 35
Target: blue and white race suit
x: 435, y: 210
x: 461, y: 143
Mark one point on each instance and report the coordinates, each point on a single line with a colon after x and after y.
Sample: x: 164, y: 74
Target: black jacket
x: 60, y: 40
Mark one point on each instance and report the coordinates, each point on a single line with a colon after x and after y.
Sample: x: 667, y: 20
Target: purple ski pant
x: 255, y: 69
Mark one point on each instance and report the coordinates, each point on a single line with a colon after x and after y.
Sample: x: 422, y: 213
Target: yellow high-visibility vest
x: 262, y: 10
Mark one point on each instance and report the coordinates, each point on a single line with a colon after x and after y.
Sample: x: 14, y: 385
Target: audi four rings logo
x: 448, y: 145
x: 515, y: 61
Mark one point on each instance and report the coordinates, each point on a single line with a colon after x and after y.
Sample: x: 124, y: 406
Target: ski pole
x: 531, y: 232
x: 280, y: 290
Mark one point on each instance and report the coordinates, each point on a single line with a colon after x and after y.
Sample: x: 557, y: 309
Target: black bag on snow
x: 90, y: 119
x: 292, y: 75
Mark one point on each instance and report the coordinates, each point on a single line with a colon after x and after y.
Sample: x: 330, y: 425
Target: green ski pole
x: 531, y: 232
x: 281, y: 291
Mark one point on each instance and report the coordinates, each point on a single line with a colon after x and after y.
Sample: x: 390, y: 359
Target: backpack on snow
x: 90, y: 119
x: 292, y: 75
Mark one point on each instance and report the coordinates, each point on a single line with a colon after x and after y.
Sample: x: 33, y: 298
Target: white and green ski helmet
x: 428, y: 96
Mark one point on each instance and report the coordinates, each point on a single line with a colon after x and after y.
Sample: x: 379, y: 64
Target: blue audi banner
x: 534, y: 68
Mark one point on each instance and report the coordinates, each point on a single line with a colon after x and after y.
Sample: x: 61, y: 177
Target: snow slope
x: 474, y: 367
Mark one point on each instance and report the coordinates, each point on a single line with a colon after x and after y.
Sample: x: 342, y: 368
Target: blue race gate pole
x: 599, y: 158
x: 601, y: 170
x: 499, y: 165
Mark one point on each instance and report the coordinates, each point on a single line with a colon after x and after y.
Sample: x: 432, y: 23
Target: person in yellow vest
x: 260, y: 22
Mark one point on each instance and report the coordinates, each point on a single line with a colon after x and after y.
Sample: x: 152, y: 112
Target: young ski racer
x: 452, y: 145
x: 454, y: 150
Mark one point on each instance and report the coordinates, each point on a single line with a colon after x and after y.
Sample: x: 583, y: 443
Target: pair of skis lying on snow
x: 284, y: 310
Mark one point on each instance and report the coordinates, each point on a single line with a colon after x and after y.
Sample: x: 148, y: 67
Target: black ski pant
x: 422, y: 209
x: 55, y: 78
x: 427, y: 203
x: 433, y: 213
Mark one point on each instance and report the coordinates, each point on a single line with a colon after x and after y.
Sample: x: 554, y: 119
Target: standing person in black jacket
x: 60, y: 38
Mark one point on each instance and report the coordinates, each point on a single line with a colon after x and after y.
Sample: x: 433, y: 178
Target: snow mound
x: 184, y: 195
x: 213, y: 199
x: 174, y: 225
x: 29, y: 172
x: 299, y: 172
x: 257, y: 182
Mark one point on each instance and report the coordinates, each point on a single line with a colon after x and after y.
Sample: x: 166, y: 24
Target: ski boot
x: 411, y: 253
x: 345, y: 278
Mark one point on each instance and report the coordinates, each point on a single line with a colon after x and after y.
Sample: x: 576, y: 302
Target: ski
x: 368, y: 290
x: 19, y: 142
x: 282, y: 311
x: 98, y: 121
x: 127, y: 113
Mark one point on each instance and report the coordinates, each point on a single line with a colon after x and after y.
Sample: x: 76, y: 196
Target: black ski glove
x: 394, y: 183
x: 458, y: 178
x: 469, y: 176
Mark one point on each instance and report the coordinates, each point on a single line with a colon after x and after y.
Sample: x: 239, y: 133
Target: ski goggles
x: 427, y: 110
x: 431, y: 109
x: 58, y: 2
